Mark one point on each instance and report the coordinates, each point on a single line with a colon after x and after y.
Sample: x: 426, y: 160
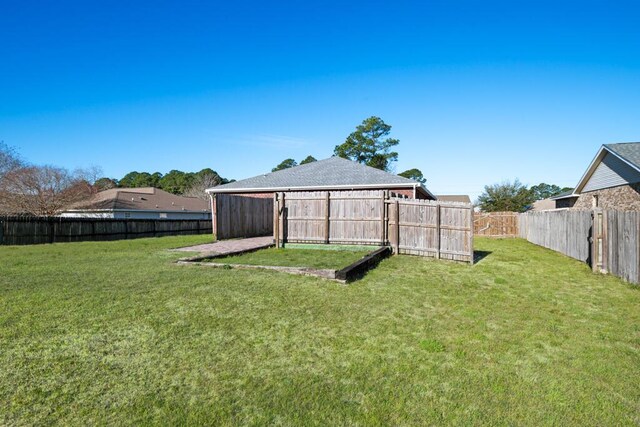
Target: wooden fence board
x: 417, y: 227
x: 36, y: 230
x: 242, y: 216
x: 496, y: 224
x: 565, y: 231
x: 611, y: 246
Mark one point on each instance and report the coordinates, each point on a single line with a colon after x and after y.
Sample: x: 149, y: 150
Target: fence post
x: 284, y: 219
x: 214, y: 215
x: 276, y: 220
x: 397, y: 227
x: 382, y: 218
x: 597, y: 241
x: 327, y: 214
x: 51, y: 230
x: 471, y: 234
x: 438, y: 231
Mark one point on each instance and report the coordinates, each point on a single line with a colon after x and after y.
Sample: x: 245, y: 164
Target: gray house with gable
x: 612, y: 180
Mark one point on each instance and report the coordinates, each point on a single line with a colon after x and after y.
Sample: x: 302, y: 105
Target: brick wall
x: 623, y: 197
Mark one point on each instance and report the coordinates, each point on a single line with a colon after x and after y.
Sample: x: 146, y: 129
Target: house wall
x: 96, y: 215
x: 137, y: 215
x: 408, y: 192
x: 566, y: 203
x: 623, y: 197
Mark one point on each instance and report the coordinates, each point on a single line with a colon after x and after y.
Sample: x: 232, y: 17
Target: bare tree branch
x: 201, y: 183
x: 42, y: 190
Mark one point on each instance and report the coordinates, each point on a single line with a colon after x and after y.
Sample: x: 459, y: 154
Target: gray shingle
x: 630, y: 151
x: 334, y: 171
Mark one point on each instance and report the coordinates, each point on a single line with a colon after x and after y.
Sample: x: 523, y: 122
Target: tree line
x: 44, y: 190
x: 175, y: 181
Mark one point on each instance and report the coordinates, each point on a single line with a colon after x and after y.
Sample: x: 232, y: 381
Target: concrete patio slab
x: 230, y: 246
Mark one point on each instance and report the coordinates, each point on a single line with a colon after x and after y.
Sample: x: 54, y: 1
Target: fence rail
x: 34, y: 230
x: 417, y: 227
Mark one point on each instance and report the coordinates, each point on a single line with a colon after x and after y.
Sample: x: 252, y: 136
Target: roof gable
x: 611, y: 168
x: 334, y: 172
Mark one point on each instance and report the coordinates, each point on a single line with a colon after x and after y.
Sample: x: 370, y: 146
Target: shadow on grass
x: 480, y: 255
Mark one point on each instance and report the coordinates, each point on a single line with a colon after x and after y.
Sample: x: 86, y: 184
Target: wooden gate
x: 242, y: 216
x: 496, y: 224
x: 434, y: 229
x: 409, y: 226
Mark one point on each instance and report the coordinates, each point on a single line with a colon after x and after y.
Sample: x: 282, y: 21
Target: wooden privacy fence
x: 617, y: 243
x: 495, y: 224
x: 33, y: 230
x: 608, y: 240
x: 409, y: 226
x: 565, y: 231
x: 242, y: 216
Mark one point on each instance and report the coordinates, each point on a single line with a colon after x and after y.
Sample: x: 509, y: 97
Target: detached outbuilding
x: 332, y: 174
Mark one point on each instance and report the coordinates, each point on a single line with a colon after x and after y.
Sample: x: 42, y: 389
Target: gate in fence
x: 495, y: 224
x: 242, y: 216
x: 417, y: 227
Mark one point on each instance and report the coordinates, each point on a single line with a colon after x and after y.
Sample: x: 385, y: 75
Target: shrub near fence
x: 34, y: 230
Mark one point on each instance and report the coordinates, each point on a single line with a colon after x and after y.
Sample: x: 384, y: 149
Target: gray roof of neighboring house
x: 145, y: 198
x: 459, y: 198
x: 564, y: 195
x: 334, y: 172
x: 629, y: 151
x: 543, y: 205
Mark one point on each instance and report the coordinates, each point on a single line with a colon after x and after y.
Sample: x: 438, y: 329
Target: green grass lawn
x: 298, y: 257
x: 115, y: 333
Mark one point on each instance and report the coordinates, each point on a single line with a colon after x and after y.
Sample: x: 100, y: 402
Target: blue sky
x: 477, y: 91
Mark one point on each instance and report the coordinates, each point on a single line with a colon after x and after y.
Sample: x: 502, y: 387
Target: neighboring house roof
x: 543, y: 205
x: 613, y: 165
x: 334, y: 173
x: 147, y: 198
x: 564, y: 195
x: 460, y: 198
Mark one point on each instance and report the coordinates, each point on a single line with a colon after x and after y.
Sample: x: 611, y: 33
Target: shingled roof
x: 332, y: 173
x: 146, y: 198
x: 629, y: 151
